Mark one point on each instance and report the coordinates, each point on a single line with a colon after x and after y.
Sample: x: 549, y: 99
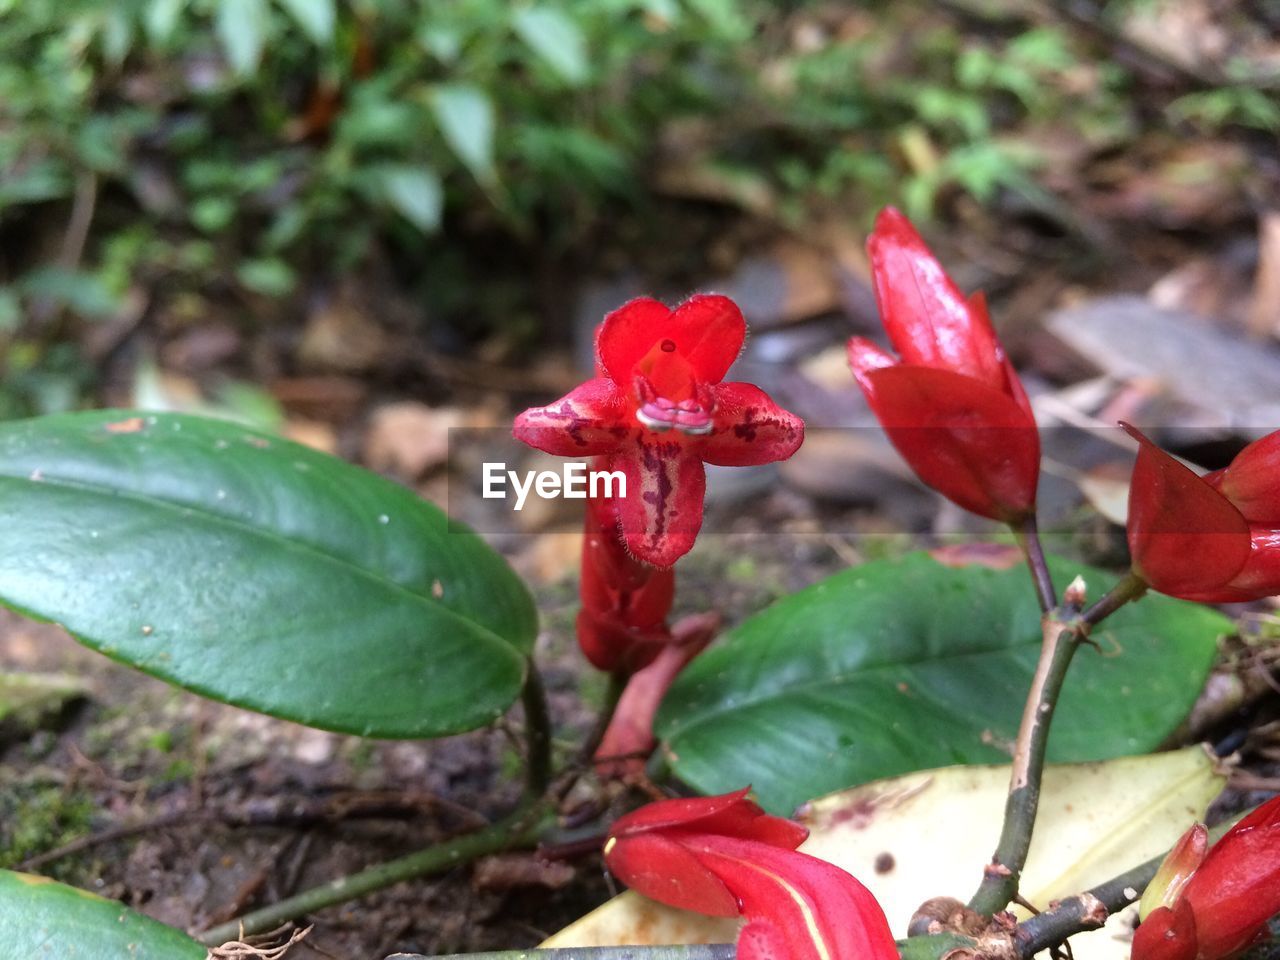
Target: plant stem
x: 520, y: 828
x: 1000, y: 877
x: 1061, y: 640
x: 1130, y: 588
x: 701, y: 951
x: 1033, y: 551
x: 537, y: 732
x: 1085, y: 911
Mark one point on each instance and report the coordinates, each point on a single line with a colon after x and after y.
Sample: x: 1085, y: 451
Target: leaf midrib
x: 177, y: 507
x: 818, y: 683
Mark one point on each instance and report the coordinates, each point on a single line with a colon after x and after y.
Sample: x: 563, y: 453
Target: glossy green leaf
x: 415, y: 193
x: 242, y: 30
x: 904, y: 665
x: 465, y: 116
x: 44, y: 920
x: 259, y: 572
x: 315, y: 17
x: 556, y: 38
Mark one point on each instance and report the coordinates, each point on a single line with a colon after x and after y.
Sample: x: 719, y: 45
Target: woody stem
x: 1063, y: 633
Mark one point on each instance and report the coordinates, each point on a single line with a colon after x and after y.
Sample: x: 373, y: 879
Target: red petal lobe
x: 750, y: 428
x: 662, y: 512
x: 586, y: 421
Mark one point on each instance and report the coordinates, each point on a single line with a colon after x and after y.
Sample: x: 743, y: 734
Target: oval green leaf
x: 905, y: 665
x: 44, y: 920
x: 259, y: 572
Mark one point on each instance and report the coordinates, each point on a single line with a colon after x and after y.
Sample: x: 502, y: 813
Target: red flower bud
x: 724, y: 856
x: 1225, y: 905
x: 952, y: 404
x: 1214, y: 538
x: 658, y: 410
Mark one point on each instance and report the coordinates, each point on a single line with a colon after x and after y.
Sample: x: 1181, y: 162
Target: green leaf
x: 908, y: 664
x: 44, y: 920
x: 315, y: 17
x: 556, y: 38
x: 415, y: 193
x: 465, y: 116
x: 259, y: 572
x: 242, y: 29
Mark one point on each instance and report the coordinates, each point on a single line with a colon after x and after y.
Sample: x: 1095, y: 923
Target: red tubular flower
x: 952, y: 404
x: 629, y: 739
x: 1225, y: 905
x: 724, y: 856
x: 658, y: 410
x: 623, y: 621
x: 1214, y: 538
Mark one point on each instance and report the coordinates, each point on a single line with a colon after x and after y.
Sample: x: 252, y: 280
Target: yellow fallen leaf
x: 927, y: 834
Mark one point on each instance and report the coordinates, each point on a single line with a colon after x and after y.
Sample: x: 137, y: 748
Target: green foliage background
x: 238, y: 148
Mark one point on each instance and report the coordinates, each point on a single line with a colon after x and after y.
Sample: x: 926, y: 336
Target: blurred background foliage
x: 234, y: 163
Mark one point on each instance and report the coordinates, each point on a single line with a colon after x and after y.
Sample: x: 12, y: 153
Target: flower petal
x: 707, y: 331
x: 662, y: 512
x: 680, y: 812
x: 1167, y: 934
x: 1252, y: 481
x: 1237, y: 888
x: 1184, y: 536
x: 665, y: 870
x: 797, y: 906
x: 587, y: 421
x: 750, y: 428
x: 928, y: 319
x: 972, y: 443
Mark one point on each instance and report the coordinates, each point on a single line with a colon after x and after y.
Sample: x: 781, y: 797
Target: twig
x: 1089, y: 910
x: 520, y: 828
x: 293, y: 812
x: 1061, y: 639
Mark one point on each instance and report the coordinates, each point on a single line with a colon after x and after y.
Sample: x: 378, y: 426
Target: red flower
x: 1226, y: 904
x: 1214, y: 538
x: 952, y: 405
x: 724, y: 856
x: 658, y: 410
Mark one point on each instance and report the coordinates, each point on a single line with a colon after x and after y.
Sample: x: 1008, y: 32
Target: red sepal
x: 1252, y: 481
x: 1237, y: 888
x: 1167, y: 934
x: 1185, y: 537
x: 971, y: 443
